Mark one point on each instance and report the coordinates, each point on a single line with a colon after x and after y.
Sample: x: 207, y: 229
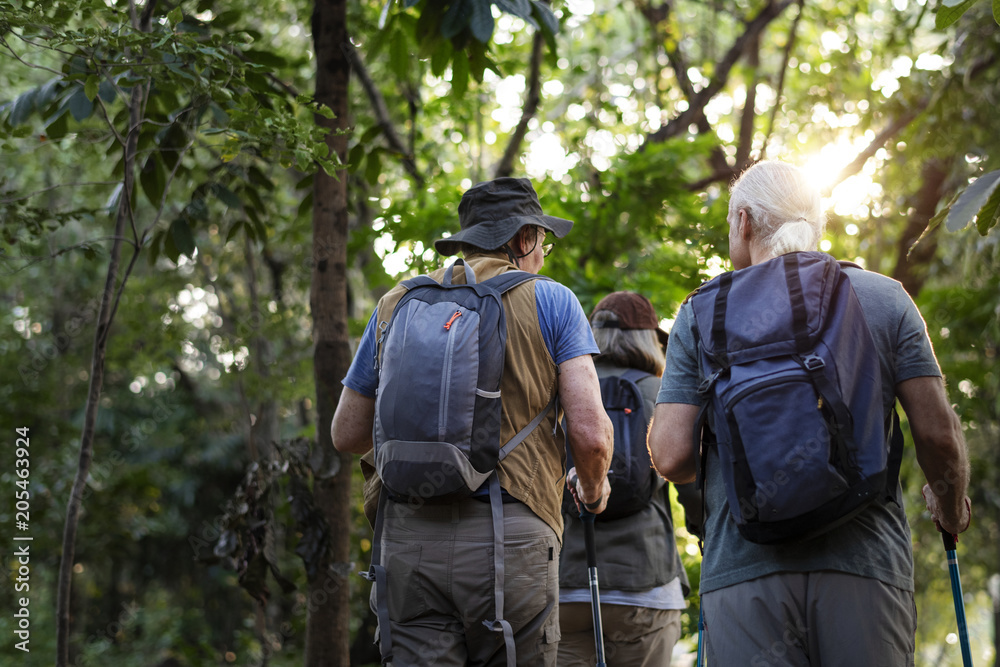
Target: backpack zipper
x: 449, y: 350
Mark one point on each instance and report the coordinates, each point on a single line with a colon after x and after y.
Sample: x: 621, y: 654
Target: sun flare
x: 853, y: 196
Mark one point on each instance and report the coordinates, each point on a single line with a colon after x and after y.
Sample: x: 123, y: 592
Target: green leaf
x: 175, y: 16
x: 355, y: 157
x: 80, y: 106
x: 58, y: 127
x: 324, y: 111
x: 456, y: 18
x: 481, y: 21
x: 305, y: 207
x: 548, y: 20
x: 183, y: 239
x: 255, y: 228
x: 972, y: 200
x: 232, y: 230
x: 384, y: 15
x: 227, y: 196
x: 460, y: 73
x: 370, y: 134
x: 399, y: 55
x: 440, y: 58
x: 107, y: 91
x: 22, y: 106
x: 373, y: 167
x: 268, y: 59
x: 170, y: 248
x: 521, y: 8
x: 996, y: 11
x: 946, y: 15
x: 155, y: 247
x: 227, y: 18
x: 153, y: 179
x: 91, y: 88
x: 989, y: 214
x: 47, y: 92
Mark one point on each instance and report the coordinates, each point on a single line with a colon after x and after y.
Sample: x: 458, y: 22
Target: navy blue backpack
x: 794, y: 397
x: 440, y: 361
x: 632, y: 477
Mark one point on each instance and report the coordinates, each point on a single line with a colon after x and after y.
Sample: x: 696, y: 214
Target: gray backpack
x: 440, y: 360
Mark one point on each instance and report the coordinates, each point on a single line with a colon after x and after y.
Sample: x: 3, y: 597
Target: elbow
x: 673, y: 460
x: 595, y: 442
x: 673, y: 469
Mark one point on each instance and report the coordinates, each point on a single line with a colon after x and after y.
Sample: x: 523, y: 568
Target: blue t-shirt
x: 876, y: 544
x: 564, y: 326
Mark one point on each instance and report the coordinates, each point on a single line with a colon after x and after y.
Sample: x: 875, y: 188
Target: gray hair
x: 631, y: 348
x: 783, y: 206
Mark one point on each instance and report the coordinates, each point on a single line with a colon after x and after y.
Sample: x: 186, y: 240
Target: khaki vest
x: 534, y: 471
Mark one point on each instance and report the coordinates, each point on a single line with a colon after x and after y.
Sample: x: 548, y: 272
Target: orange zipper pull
x: 454, y: 317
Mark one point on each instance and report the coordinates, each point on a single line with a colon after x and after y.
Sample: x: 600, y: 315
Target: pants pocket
x: 405, y: 592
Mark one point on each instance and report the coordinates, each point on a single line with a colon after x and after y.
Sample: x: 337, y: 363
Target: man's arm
x: 589, y: 431
x: 673, y: 453
x: 352, y: 422
x: 941, y: 453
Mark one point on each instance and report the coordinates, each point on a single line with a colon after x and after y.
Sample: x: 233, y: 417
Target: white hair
x: 782, y: 205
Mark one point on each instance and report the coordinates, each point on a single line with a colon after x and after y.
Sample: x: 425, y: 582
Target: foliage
x: 951, y: 10
x: 458, y: 33
x: 209, y: 372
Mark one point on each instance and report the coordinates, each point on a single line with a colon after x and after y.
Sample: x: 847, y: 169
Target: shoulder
x: 864, y: 280
x: 556, y: 302
x: 555, y: 291
x: 879, y: 295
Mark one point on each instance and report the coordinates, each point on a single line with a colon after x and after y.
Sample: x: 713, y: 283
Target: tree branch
x: 789, y: 46
x: 528, y: 110
x: 382, y: 112
x: 110, y: 299
x: 696, y: 108
x: 749, y: 106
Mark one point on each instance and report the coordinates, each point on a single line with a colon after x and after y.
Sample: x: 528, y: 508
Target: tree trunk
x: 113, y: 287
x: 328, y: 631
x: 912, y: 262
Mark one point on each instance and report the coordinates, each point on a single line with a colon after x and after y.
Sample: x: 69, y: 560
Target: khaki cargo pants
x: 439, y: 571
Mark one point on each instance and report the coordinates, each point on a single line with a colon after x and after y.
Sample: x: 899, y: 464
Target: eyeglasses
x: 546, y: 247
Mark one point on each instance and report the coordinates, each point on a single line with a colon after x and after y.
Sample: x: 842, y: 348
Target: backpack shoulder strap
x: 419, y: 281
x: 634, y: 375
x: 510, y: 279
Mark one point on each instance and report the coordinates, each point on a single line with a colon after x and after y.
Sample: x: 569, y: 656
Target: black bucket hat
x: 490, y: 214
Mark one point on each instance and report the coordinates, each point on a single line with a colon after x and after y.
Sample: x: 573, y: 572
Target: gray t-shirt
x: 876, y: 544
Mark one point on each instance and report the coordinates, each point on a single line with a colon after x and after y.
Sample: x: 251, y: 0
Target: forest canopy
x: 177, y: 177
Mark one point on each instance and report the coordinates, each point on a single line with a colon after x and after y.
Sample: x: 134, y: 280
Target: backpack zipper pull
x: 454, y: 317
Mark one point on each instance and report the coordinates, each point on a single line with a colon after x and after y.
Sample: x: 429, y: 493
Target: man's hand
x: 955, y: 524
x: 581, y: 498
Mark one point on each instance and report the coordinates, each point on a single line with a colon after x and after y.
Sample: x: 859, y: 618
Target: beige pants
x: 633, y: 636
x: 439, y: 567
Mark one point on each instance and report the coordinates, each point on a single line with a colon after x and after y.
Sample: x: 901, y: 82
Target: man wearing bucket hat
x: 643, y: 584
x: 440, y: 554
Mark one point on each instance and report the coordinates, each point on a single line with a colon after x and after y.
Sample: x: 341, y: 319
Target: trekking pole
x: 956, y: 592
x: 700, y: 660
x: 590, y: 542
x: 595, y: 594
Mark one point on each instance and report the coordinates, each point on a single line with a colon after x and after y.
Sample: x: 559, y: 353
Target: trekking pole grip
x: 949, y: 540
